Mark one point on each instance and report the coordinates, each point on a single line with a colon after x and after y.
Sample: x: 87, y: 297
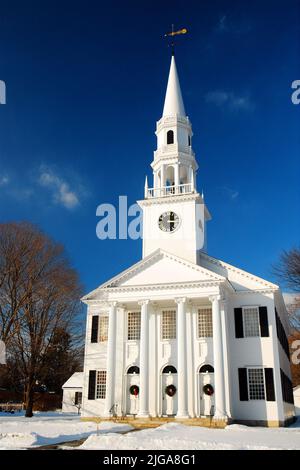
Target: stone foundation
x: 141, y: 423
x: 150, y: 422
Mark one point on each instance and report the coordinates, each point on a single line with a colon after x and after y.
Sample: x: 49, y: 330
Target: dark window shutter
x: 92, y: 385
x: 243, y: 383
x: 76, y: 398
x: 270, y: 390
x: 238, y: 319
x: 263, y: 320
x: 94, y: 334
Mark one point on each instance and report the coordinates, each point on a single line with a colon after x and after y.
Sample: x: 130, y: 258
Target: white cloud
x: 4, y: 180
x: 230, y: 100
x: 222, y: 25
x: 233, y: 25
x: 61, y: 191
x: 230, y: 192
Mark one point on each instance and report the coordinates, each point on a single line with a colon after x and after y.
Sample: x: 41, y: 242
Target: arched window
x: 170, y: 137
x: 133, y: 370
x: 206, y: 368
x: 169, y: 370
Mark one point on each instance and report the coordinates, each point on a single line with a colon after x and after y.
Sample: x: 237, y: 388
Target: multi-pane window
x: 251, y: 321
x: 101, y: 384
x: 134, y: 325
x: 256, y: 384
x: 103, y: 329
x: 205, y: 327
x: 168, y: 324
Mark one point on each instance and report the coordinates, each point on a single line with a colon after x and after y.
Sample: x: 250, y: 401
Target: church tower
x: 174, y: 213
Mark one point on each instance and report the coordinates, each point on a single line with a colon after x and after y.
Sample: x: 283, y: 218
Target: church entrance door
x: 132, y: 394
x: 169, y: 391
x: 207, y: 396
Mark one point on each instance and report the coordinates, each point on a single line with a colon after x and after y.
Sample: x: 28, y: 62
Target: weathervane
x: 175, y: 33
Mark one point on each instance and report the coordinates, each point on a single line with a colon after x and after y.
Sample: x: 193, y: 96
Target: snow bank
x: 17, y: 432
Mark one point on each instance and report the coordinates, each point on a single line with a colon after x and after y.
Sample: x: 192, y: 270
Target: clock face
x: 168, y: 221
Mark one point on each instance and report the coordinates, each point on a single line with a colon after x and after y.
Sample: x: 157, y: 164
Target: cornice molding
x: 174, y: 199
x: 256, y: 291
x: 241, y: 272
x: 169, y: 158
x: 159, y: 287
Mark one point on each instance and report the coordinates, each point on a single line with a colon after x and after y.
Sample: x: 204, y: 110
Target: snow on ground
x: 173, y: 436
x: 17, y: 432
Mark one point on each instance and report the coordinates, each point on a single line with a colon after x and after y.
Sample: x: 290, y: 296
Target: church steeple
x: 173, y: 102
x: 174, y: 213
x: 174, y: 165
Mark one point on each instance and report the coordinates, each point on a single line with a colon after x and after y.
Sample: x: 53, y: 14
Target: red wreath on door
x: 170, y: 390
x: 134, y: 390
x: 208, y: 389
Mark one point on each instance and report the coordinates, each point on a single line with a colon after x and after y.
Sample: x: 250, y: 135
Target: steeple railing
x: 166, y: 191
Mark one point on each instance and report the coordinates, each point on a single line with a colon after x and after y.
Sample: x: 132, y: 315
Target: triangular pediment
x: 160, y: 267
x: 239, y: 279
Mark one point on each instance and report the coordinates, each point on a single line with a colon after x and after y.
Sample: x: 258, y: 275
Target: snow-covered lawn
x: 17, y: 432
x: 179, y: 437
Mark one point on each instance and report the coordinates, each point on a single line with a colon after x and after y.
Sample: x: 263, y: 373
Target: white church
x: 181, y: 334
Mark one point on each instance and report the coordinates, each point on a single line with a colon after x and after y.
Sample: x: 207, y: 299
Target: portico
x: 168, y: 330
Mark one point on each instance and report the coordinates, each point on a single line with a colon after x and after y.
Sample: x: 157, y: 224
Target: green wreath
x: 134, y: 390
x: 170, y: 390
x: 208, y: 389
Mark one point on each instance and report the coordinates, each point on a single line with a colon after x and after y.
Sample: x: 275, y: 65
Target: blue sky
x: 85, y: 86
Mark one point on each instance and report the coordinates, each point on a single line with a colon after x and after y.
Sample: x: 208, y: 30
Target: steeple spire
x: 173, y: 102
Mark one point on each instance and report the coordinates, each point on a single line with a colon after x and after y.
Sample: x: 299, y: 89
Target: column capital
x: 180, y: 300
x: 144, y: 302
x: 113, y: 304
x: 214, y: 297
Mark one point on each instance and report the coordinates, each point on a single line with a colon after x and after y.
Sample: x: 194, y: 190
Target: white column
x: 220, y: 408
x: 162, y: 178
x: 226, y: 366
x: 110, y: 367
x: 155, y: 179
x: 176, y: 177
x: 144, y: 361
x: 192, y: 180
x: 182, y: 411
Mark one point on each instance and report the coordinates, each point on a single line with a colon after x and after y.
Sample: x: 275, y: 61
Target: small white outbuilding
x: 296, y: 392
x: 72, y: 393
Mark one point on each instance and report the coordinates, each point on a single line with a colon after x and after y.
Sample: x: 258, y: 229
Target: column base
x: 143, y: 414
x: 220, y: 417
x: 182, y: 416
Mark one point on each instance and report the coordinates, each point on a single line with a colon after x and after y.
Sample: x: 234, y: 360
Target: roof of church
x: 209, y: 270
x: 173, y: 100
x: 198, y: 273
x: 225, y: 269
x: 75, y: 381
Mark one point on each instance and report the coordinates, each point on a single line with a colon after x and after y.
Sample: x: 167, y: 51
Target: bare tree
x: 287, y: 271
x: 39, y: 293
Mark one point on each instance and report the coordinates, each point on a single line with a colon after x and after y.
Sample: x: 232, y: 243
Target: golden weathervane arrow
x: 175, y: 33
